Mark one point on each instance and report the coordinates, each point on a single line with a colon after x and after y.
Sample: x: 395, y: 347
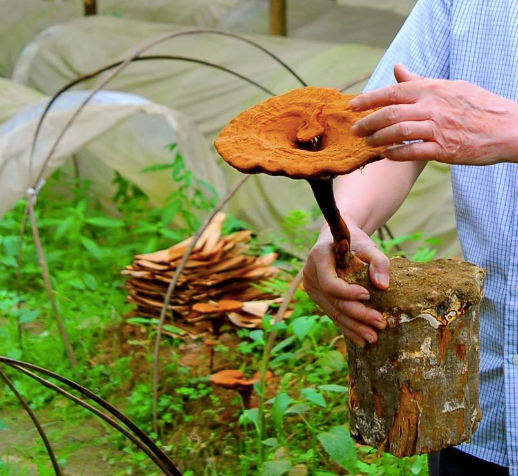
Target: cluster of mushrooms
x: 217, y: 286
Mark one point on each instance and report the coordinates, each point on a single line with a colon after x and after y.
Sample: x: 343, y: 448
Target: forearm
x: 367, y: 198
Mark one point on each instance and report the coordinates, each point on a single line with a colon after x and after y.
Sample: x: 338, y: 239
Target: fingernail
x: 380, y: 324
x: 369, y: 337
x: 364, y: 297
x: 355, y: 128
x: 382, y: 279
x: 354, y: 103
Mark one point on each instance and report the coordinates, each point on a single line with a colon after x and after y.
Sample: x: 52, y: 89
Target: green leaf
x: 157, y: 168
x: 257, y: 335
x: 105, y: 222
x: 302, y: 325
x: 281, y: 358
x: 313, y: 396
x: 64, y: 226
x: 14, y: 353
x: 332, y: 361
x: 170, y: 211
x: 250, y: 416
x: 340, y: 447
x: 3, y: 426
x: 90, y: 281
x: 419, y: 464
x: 76, y: 283
x: 275, y: 468
x: 273, y: 442
x: 139, y: 320
x: 280, y: 405
x: 173, y: 329
x: 281, y: 345
x: 92, y: 247
x: 29, y: 316
x: 173, y: 235
x: 297, y: 409
x: 333, y: 388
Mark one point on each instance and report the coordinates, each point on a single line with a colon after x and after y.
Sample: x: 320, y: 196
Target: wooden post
x: 416, y: 390
x: 278, y: 17
x: 90, y: 7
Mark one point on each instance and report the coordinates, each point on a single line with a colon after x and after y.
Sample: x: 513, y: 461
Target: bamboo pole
x: 278, y: 17
x: 90, y: 7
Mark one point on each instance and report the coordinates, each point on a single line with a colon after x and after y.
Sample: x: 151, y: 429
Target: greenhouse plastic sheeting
x: 211, y: 98
x: 115, y: 132
x: 372, y: 22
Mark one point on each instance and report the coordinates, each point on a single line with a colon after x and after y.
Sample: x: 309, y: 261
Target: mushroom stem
x: 246, y: 396
x: 324, y: 195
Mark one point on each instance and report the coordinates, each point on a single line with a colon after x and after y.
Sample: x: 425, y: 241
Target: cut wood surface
x: 218, y: 284
x: 417, y: 389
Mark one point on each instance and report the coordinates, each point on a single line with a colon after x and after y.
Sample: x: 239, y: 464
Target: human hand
x: 458, y: 122
x: 339, y: 300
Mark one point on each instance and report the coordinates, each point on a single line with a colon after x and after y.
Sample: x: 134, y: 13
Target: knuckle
x: 393, y: 95
x: 392, y: 114
x: 405, y: 130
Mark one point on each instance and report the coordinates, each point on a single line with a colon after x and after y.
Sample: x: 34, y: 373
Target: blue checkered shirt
x: 477, y: 41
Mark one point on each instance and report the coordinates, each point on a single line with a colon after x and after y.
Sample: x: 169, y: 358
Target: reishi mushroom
x: 303, y: 134
x: 235, y: 379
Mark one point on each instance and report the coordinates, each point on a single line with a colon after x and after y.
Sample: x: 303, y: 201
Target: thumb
x: 403, y: 75
x: 379, y: 264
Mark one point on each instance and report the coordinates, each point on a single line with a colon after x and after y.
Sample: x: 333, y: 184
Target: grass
x: 207, y: 432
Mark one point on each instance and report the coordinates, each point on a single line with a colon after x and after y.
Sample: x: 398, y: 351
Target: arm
x: 368, y: 198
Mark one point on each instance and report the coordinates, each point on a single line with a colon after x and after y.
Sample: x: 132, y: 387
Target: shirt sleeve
x: 422, y: 45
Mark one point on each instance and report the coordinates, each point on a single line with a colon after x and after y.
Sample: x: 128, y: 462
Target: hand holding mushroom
x: 306, y: 134
x: 458, y: 122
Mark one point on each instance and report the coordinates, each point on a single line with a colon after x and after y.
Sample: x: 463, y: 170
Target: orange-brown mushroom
x: 235, y: 379
x: 303, y: 134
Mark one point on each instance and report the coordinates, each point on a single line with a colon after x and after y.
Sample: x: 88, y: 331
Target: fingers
x: 402, y: 93
x: 418, y: 151
x: 386, y: 117
x: 404, y: 131
x: 354, y: 319
x: 379, y: 264
x: 403, y: 75
x: 329, y: 281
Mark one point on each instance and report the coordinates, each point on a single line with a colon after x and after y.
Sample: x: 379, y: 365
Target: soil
x: 441, y: 287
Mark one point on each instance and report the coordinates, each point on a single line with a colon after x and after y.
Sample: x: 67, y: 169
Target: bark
x: 417, y: 389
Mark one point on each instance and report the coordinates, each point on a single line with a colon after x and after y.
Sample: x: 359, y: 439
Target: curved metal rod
x: 88, y: 76
x: 250, y: 42
x: 172, y: 285
x: 131, y: 56
x: 100, y: 414
x: 354, y: 82
x: 144, y: 439
x: 41, y: 431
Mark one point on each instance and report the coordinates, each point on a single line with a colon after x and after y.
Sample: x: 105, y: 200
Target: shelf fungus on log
x: 416, y: 390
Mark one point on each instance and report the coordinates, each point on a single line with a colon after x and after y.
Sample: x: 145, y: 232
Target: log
x: 417, y: 389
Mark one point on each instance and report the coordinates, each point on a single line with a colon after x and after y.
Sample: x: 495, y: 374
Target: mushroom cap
x: 236, y: 379
x: 278, y: 136
x: 228, y: 378
x: 221, y: 307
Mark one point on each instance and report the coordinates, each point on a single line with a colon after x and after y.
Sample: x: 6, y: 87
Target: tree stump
x: 416, y: 390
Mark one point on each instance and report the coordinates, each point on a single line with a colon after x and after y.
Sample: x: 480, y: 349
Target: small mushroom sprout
x: 303, y: 134
x: 235, y: 380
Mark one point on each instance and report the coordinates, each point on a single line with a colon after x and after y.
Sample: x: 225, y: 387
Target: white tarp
x: 372, y: 22
x: 116, y: 132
